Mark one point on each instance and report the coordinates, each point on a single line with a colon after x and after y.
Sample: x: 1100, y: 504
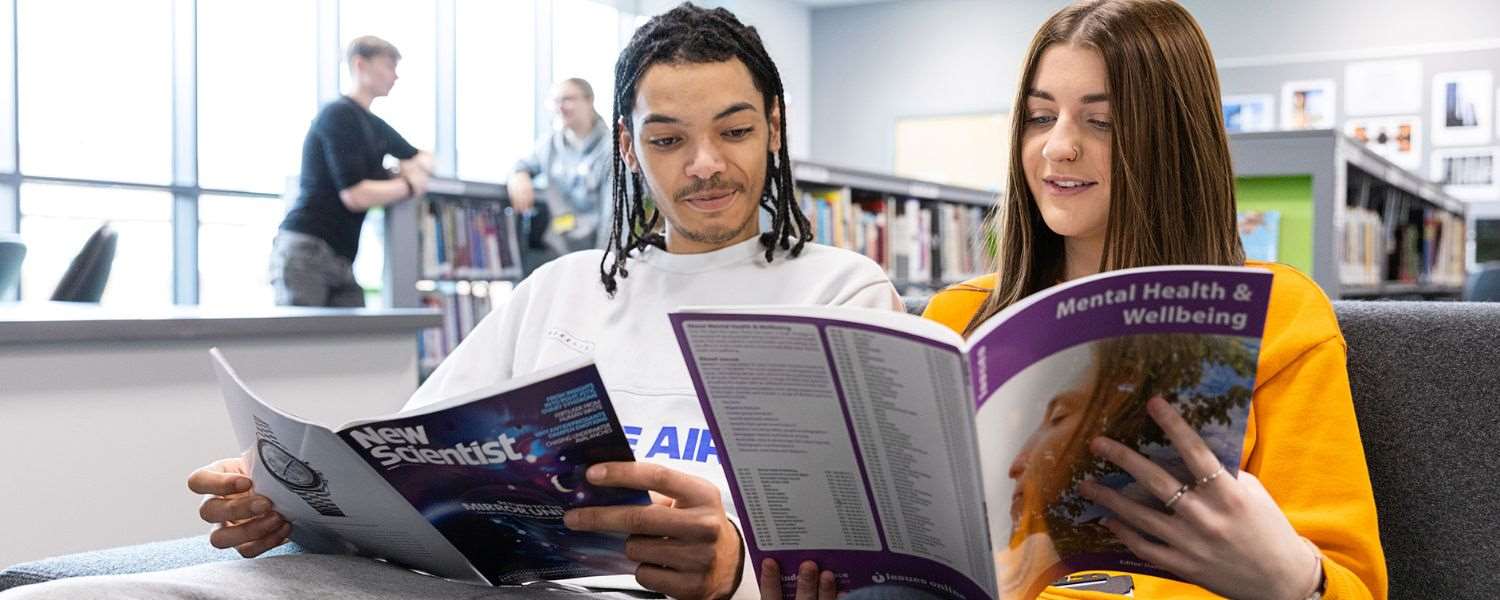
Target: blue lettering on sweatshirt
x: 670, y: 441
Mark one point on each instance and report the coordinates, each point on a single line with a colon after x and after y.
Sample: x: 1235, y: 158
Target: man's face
x: 571, y: 104
x: 376, y: 75
x: 700, y: 134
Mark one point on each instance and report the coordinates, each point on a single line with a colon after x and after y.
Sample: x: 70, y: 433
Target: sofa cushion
x: 143, y: 558
x: 1426, y: 383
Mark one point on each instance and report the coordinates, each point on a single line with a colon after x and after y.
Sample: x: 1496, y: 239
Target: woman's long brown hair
x: 1171, y: 181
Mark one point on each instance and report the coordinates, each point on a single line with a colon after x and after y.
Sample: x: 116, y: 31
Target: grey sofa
x: 1426, y: 382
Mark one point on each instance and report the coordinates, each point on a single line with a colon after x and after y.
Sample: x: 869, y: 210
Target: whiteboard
x: 971, y: 150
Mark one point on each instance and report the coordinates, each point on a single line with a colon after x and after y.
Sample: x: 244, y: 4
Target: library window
x: 56, y: 220
x: 585, y: 43
x: 96, y: 126
x: 96, y: 103
x: 369, y: 264
x: 7, y: 106
x: 496, y: 56
x: 412, y: 27
x: 256, y: 93
x: 234, y: 249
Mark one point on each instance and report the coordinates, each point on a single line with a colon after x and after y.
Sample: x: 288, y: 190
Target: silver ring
x: 1182, y: 491
x: 1210, y: 477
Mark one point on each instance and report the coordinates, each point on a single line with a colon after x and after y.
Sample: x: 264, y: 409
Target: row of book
x: 468, y: 240
x: 1424, y: 247
x: 919, y: 243
x: 463, y: 304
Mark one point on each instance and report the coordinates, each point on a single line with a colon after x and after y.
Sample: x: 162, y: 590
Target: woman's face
x: 1043, y: 453
x: 1065, y: 146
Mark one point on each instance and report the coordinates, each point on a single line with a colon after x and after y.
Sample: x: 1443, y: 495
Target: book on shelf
x: 467, y: 239
x: 463, y: 305
x: 887, y: 448
x: 919, y: 243
x: 472, y: 488
x: 1363, y: 252
x: 1421, y: 247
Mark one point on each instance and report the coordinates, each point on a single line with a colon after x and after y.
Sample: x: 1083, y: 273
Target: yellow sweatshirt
x: 1302, y: 441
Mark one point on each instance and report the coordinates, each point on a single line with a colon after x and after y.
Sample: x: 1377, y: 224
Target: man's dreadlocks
x: 690, y: 34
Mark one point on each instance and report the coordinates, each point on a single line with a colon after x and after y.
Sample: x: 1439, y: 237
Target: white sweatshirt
x: 561, y: 312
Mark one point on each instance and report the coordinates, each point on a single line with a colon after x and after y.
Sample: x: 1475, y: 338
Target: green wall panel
x: 1293, y: 198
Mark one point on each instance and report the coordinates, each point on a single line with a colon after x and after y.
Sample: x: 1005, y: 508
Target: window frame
x: 185, y: 188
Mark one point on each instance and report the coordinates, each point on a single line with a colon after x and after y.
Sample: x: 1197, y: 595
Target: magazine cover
x: 495, y: 476
x: 472, y: 488
x: 888, y: 449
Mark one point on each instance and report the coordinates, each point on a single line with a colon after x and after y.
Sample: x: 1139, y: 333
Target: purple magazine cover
x: 1218, y: 314
x: 495, y: 476
x: 1085, y: 357
x: 853, y: 569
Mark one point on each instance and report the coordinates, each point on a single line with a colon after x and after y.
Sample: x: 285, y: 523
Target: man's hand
x: 522, y: 194
x: 242, y: 519
x: 418, y: 180
x: 422, y: 160
x: 687, y: 547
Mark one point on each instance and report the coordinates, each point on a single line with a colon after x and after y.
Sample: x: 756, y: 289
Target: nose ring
x: 1075, y: 150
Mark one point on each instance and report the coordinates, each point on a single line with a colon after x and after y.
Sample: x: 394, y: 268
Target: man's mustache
x: 714, y: 184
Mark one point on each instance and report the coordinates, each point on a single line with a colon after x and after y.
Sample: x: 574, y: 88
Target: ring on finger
x: 1182, y: 491
x: 1209, y: 477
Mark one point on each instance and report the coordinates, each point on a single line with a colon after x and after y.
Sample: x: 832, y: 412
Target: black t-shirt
x: 345, y: 146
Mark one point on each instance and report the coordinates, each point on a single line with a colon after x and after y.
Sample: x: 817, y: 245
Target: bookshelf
x: 926, y: 235
x: 456, y: 250
x: 1361, y: 226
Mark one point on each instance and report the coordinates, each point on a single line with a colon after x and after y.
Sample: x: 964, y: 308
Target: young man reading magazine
x: 699, y: 121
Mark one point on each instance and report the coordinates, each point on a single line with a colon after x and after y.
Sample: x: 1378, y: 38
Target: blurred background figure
x: 343, y: 177
x: 569, y: 170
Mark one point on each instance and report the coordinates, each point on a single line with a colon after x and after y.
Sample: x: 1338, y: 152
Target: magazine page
x: 846, y: 442
x: 495, y: 473
x: 336, y: 503
x: 1080, y: 361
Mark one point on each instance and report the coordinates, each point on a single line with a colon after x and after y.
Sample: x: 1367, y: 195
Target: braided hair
x: 689, y: 34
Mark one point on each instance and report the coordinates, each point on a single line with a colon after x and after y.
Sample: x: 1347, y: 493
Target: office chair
x: 84, y: 281
x: 12, y: 251
x: 1484, y: 284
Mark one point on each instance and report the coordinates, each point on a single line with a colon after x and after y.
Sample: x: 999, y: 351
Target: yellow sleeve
x: 1307, y: 453
x: 957, y: 304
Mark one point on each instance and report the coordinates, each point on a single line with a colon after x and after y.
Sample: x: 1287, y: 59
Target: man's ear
x: 627, y: 148
x: 774, y: 145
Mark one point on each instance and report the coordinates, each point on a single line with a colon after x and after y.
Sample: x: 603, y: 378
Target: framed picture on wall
x: 1462, y: 108
x: 1383, y: 87
x: 1249, y: 112
x: 1308, y: 104
x: 1398, y: 139
x: 1466, y: 173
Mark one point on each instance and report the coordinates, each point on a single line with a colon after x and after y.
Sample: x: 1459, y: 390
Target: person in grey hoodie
x: 571, y: 166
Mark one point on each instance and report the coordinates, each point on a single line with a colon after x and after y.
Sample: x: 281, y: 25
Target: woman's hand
x: 1221, y: 532
x: 811, y: 585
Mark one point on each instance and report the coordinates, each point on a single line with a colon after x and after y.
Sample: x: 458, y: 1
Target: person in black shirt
x: 312, y: 260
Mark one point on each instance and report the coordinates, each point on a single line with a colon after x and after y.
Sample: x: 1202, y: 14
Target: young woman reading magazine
x: 1119, y: 159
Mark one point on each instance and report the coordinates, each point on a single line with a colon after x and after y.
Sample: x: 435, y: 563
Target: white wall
x: 97, y: 438
x: 785, y: 28
x: 875, y: 63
